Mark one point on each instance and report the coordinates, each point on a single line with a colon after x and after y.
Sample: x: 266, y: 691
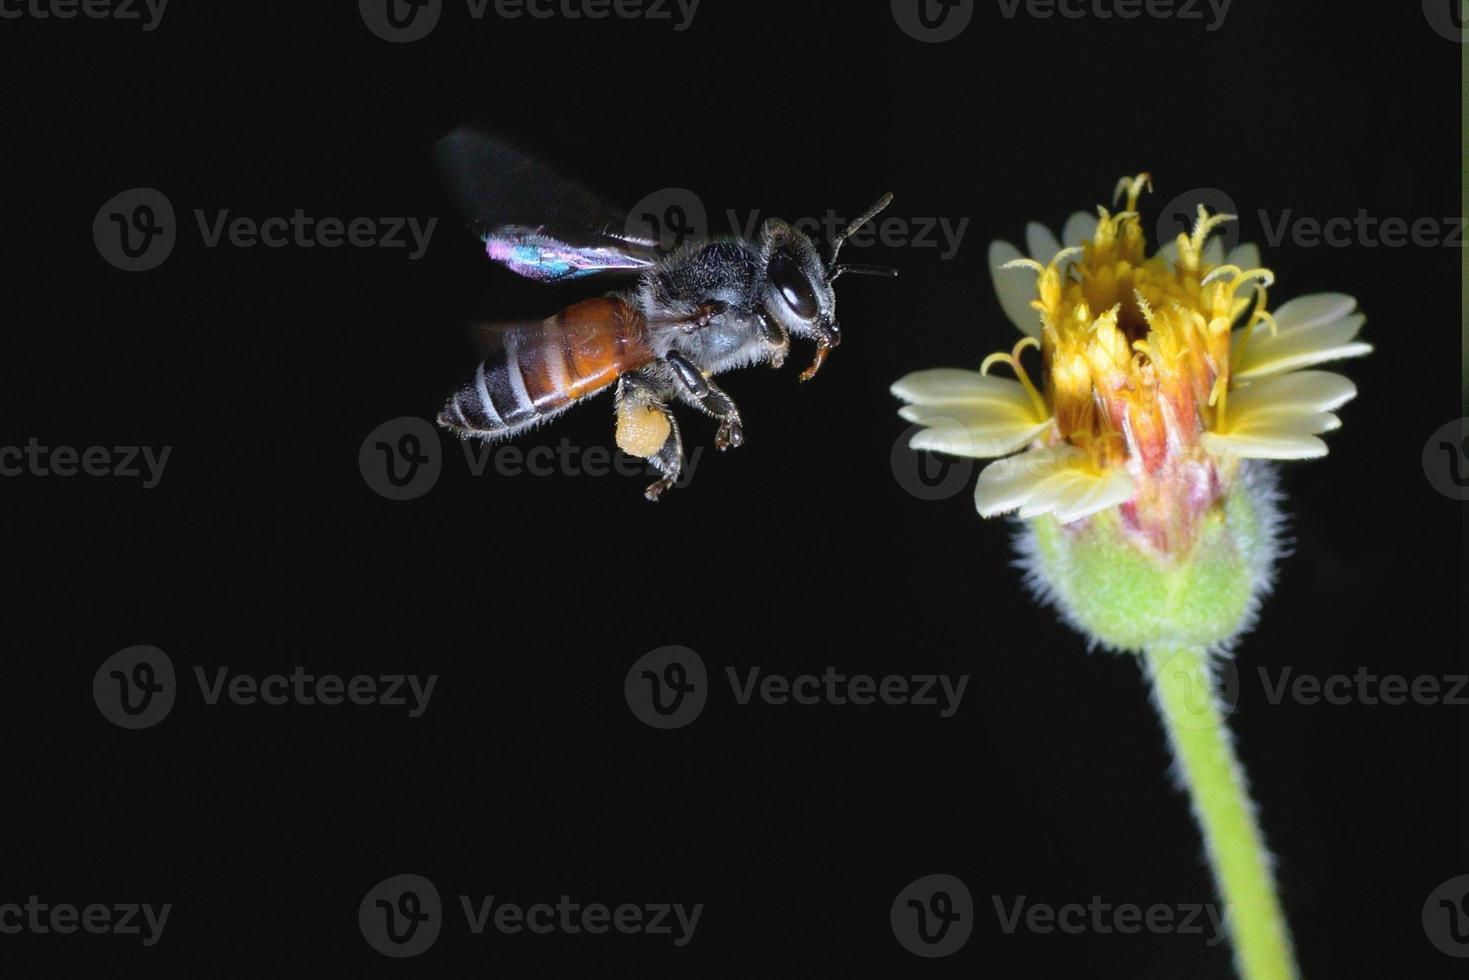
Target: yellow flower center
x: 1136, y: 348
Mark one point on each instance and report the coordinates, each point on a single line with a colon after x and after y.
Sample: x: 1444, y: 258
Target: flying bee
x: 706, y: 308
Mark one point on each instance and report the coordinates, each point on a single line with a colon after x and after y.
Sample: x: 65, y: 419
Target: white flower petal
x: 1303, y: 345
x: 975, y: 415
x: 945, y: 386
x: 1041, y: 244
x: 1113, y: 489
x: 1053, y: 478
x: 1313, y: 310
x: 1080, y: 227
x: 1312, y: 391
x: 957, y: 439
x: 1015, y: 288
x: 1007, y: 484
x: 1274, y: 445
x: 1296, y: 422
x: 1309, y: 330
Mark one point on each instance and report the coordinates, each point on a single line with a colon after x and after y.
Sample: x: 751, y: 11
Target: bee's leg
x: 636, y: 392
x: 776, y: 337
x: 829, y: 335
x: 705, y: 395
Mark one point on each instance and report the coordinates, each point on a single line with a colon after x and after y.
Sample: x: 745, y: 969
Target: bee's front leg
x: 776, y: 338
x: 696, y: 389
x: 828, y: 336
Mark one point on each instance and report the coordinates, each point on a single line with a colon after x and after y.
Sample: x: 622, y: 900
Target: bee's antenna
x: 862, y: 270
x: 847, y: 232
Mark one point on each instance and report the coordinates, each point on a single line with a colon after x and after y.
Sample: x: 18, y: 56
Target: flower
x: 1159, y: 375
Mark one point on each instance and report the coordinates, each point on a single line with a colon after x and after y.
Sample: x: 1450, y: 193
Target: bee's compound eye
x: 794, y: 287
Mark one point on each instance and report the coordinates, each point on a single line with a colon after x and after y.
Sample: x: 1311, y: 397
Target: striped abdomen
x: 543, y: 368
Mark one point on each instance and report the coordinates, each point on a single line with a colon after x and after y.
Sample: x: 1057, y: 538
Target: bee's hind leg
x: 641, y: 417
x: 705, y: 395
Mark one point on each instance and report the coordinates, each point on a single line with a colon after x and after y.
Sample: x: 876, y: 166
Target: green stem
x: 1188, y: 701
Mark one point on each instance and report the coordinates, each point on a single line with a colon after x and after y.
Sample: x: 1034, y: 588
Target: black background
x: 528, y: 777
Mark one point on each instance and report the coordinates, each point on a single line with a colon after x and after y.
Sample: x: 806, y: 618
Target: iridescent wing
x: 534, y: 220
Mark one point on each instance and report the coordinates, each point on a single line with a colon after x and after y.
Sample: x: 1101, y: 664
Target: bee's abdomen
x: 541, y: 369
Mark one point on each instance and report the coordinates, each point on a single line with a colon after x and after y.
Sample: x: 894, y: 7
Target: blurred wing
x: 534, y: 220
x: 488, y: 339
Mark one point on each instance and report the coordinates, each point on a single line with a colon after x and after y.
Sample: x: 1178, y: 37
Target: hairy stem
x: 1187, y: 697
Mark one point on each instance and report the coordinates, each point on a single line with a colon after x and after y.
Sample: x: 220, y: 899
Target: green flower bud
x: 1119, y: 591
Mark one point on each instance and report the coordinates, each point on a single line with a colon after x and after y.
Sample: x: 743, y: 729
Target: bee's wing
x: 534, y: 220
x: 486, y: 339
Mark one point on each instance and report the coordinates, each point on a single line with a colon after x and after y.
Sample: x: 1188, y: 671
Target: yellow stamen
x: 1013, y: 359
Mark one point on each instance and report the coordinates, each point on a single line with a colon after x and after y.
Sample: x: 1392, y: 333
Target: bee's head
x: 798, y: 291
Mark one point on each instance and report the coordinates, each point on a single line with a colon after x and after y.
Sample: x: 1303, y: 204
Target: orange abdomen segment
x: 583, y: 349
x: 543, y: 368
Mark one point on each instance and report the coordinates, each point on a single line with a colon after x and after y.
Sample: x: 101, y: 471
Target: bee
x: 707, y: 307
